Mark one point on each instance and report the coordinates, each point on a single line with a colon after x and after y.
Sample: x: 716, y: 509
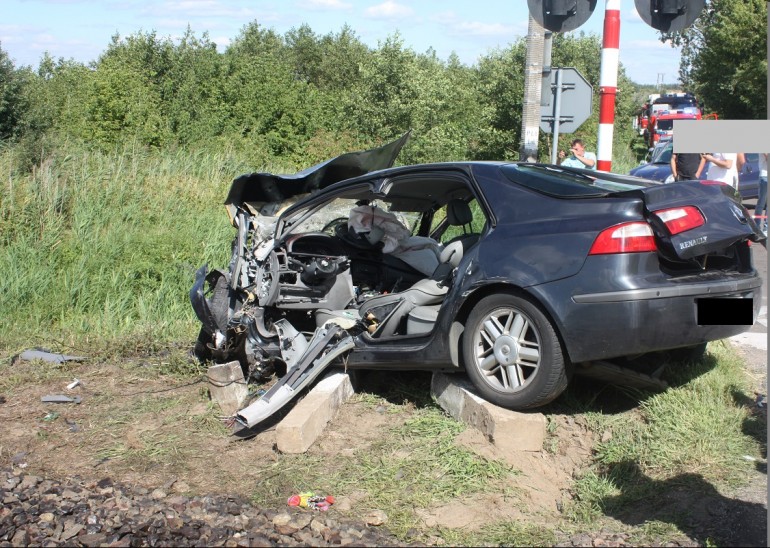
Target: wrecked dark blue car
x: 515, y: 273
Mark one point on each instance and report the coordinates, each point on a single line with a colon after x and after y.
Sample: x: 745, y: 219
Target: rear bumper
x: 713, y: 289
x: 610, y: 324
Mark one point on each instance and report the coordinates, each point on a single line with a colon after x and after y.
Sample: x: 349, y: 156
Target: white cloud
x: 199, y: 8
x: 222, y: 42
x: 633, y: 17
x: 476, y: 28
x: 647, y: 45
x: 389, y: 10
x: 321, y: 5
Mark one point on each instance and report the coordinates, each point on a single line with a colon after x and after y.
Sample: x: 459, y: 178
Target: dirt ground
x: 138, y: 426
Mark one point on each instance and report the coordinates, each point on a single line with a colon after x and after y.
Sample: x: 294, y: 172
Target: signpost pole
x: 556, y: 116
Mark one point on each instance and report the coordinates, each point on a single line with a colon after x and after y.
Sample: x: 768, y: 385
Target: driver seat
x: 420, y: 302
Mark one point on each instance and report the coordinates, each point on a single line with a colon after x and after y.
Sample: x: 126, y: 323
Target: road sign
x: 570, y: 103
x: 669, y: 15
x: 561, y: 15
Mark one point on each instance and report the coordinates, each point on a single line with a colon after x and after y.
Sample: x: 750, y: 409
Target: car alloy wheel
x: 512, y: 354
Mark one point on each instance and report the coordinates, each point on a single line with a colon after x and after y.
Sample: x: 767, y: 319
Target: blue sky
x: 81, y: 29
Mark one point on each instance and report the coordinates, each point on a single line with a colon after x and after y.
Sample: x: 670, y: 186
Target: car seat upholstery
x: 389, y: 310
x: 458, y: 213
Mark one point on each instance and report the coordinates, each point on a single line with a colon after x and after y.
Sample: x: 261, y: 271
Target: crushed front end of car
x: 259, y: 311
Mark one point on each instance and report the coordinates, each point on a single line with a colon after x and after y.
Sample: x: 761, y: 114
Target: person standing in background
x: 724, y: 167
x: 760, y: 210
x: 579, y: 157
x: 687, y: 166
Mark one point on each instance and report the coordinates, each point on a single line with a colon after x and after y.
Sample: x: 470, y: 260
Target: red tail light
x: 681, y: 219
x: 635, y: 237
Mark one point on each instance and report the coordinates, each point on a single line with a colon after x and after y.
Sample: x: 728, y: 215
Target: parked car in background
x: 658, y: 168
x: 515, y: 273
x: 658, y: 164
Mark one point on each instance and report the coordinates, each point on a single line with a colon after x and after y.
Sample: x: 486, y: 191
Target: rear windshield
x: 564, y: 183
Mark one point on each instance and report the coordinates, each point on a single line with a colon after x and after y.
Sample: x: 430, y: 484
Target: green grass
x: 98, y: 250
x: 695, y: 435
x: 417, y: 465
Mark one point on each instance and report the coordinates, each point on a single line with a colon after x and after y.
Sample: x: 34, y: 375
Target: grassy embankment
x: 98, y: 250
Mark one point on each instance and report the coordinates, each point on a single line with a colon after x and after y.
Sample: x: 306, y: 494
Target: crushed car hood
x: 267, y: 187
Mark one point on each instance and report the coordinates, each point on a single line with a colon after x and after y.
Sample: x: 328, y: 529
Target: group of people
x: 725, y: 167
x: 685, y: 166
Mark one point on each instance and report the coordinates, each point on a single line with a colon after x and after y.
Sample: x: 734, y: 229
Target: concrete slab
x: 306, y: 422
x: 227, y: 386
x: 507, y: 430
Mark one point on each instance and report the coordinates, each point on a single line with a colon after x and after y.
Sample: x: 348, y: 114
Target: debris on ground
x: 47, y: 356
x: 312, y: 501
x: 60, y: 398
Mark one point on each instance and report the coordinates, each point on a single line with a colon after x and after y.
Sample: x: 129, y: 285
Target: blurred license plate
x: 725, y: 311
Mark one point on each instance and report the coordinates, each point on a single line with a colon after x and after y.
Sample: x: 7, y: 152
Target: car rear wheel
x: 512, y: 354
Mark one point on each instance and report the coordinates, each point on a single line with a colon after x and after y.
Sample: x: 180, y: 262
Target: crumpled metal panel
x: 267, y: 187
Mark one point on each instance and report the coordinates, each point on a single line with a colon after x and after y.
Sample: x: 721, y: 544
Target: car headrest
x: 452, y: 253
x: 458, y: 213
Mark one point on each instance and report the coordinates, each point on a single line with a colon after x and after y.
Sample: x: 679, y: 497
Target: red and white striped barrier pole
x: 608, y: 84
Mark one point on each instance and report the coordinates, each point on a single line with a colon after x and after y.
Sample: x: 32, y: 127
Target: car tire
x: 512, y: 354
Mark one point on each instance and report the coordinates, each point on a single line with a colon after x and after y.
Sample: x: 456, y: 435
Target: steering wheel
x: 331, y: 226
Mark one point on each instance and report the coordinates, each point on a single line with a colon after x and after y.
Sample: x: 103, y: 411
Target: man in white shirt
x: 724, y: 167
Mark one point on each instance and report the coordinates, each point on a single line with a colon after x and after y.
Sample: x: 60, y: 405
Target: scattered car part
x: 39, y: 354
x: 306, y: 360
x: 60, y: 398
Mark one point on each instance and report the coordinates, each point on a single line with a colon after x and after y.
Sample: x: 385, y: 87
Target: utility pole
x: 530, y: 119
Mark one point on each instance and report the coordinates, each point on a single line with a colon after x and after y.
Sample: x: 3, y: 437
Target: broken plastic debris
x: 749, y: 458
x: 46, y: 356
x: 59, y: 398
x: 50, y: 417
x: 73, y: 384
x: 311, y: 500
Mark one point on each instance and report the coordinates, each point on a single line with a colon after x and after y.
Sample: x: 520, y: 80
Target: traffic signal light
x: 669, y: 15
x: 561, y: 15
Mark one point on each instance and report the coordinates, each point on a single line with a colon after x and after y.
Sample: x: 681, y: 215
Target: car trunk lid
x: 725, y: 220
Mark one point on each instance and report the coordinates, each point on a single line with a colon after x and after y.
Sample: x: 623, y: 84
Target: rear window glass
x: 560, y: 183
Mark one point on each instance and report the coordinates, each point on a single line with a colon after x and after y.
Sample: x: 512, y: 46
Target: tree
x: 12, y: 103
x: 724, y: 58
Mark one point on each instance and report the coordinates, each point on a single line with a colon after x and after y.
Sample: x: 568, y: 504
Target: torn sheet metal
x: 29, y: 355
x: 328, y: 344
x: 267, y: 187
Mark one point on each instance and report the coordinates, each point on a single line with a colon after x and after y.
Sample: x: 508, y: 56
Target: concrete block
x: 507, y: 430
x: 227, y: 386
x: 306, y: 422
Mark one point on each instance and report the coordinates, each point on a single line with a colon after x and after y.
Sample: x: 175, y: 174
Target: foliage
x: 724, y: 58
x: 301, y: 97
x: 11, y: 98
